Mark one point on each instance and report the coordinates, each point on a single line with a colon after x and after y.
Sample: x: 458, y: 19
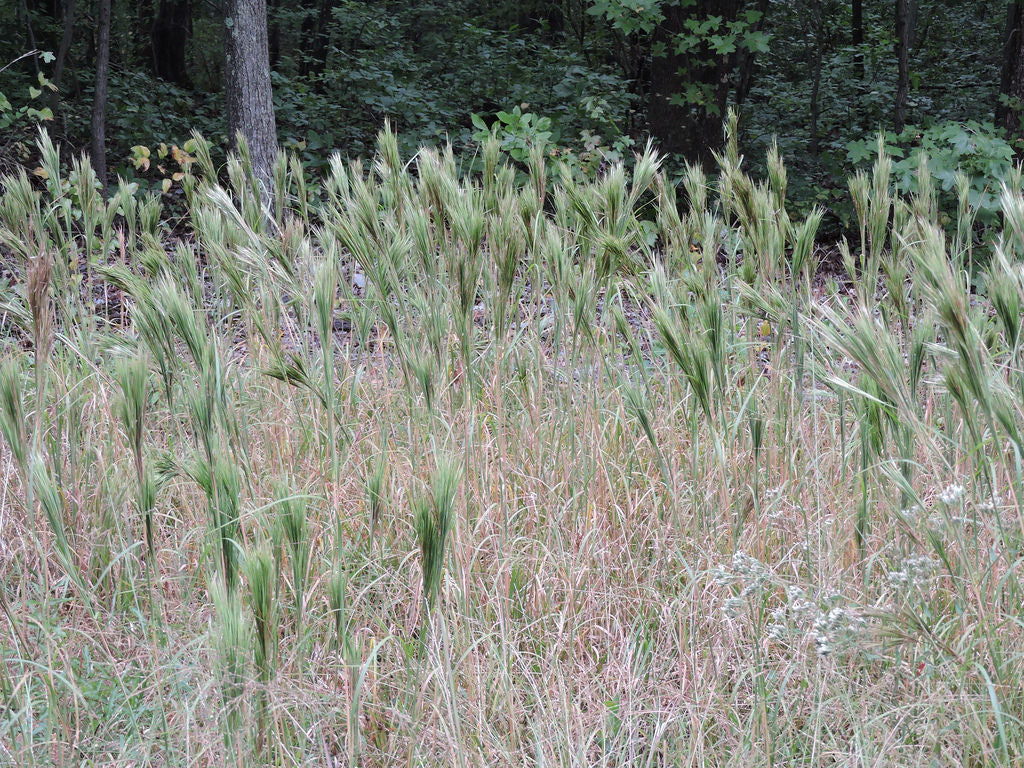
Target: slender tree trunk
x: 903, y: 35
x: 314, y: 30
x: 817, y: 58
x: 322, y: 37
x: 1010, y: 110
x: 27, y: 18
x: 98, y: 151
x: 747, y: 59
x: 169, y: 35
x: 857, y: 35
x: 250, y: 103
x: 62, y: 52
x: 667, y: 117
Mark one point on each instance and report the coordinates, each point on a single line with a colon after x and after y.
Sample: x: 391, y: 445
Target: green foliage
x: 581, y: 73
x: 410, y: 64
x: 851, y: 94
x: 629, y: 16
x: 520, y: 132
x: 705, y: 40
x: 20, y: 118
x: 975, y: 149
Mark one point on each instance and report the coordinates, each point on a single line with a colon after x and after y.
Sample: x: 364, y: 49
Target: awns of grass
x: 507, y: 467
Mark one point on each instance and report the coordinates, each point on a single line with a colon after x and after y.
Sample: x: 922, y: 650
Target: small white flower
x: 723, y: 577
x: 991, y: 504
x: 733, y: 607
x: 916, y: 571
x: 910, y: 512
x: 951, y: 494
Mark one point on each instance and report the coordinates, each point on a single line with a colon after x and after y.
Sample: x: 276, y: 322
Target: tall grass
x: 433, y: 466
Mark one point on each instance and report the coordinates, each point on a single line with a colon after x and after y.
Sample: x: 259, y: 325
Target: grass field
x: 429, y: 469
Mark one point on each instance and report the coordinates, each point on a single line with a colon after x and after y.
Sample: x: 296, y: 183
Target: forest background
x: 591, y: 80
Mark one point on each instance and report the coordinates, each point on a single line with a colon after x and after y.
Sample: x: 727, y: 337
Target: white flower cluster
x: 733, y: 607
x: 951, y: 494
x: 991, y: 505
x: 911, y: 512
x: 838, y: 623
x: 751, y: 572
x: 746, y: 572
x: 914, y: 573
x: 802, y: 617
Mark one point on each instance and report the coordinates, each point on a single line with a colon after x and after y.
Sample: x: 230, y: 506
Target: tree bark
x: 857, y: 35
x: 62, y: 53
x: 693, y: 130
x: 169, y: 37
x: 817, y: 59
x: 98, y: 146
x: 1010, y: 110
x: 747, y: 59
x: 903, y: 34
x: 250, y: 104
x: 31, y: 35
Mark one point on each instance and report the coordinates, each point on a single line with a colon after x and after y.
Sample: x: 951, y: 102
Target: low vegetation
x: 508, y: 468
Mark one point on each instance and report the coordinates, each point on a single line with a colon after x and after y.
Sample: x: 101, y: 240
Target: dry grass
x: 701, y: 516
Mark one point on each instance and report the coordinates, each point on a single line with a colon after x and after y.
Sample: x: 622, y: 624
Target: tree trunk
x: 817, y: 59
x: 667, y: 117
x: 31, y: 36
x: 169, y: 36
x: 747, y: 59
x: 690, y: 129
x: 903, y: 34
x: 62, y: 53
x: 250, y: 104
x: 857, y: 35
x: 315, y: 30
x: 1010, y: 110
x: 98, y: 149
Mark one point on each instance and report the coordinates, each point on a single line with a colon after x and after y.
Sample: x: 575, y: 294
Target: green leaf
x: 756, y: 42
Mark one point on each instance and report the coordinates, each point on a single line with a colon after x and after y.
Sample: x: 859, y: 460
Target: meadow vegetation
x: 430, y: 468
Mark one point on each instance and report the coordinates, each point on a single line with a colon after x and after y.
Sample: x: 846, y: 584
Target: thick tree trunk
x: 903, y: 34
x: 1010, y: 110
x: 250, y: 103
x: 169, y: 36
x: 693, y: 130
x: 666, y: 116
x: 98, y: 146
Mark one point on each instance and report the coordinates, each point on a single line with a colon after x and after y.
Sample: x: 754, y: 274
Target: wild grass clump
x: 502, y: 468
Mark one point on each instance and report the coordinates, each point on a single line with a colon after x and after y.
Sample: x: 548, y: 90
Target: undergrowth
x: 429, y: 469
